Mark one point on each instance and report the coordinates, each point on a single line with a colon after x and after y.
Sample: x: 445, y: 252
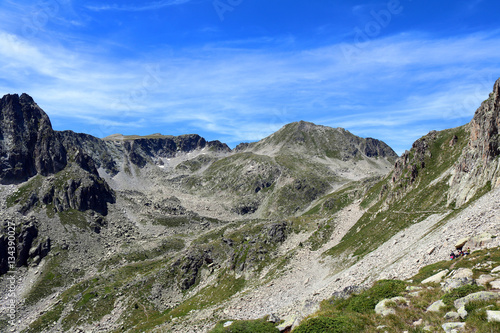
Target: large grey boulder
x: 436, y: 278
x: 450, y: 284
x: 479, y: 296
x: 436, y: 306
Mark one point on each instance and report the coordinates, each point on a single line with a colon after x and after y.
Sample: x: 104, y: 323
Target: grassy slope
x: 394, y: 207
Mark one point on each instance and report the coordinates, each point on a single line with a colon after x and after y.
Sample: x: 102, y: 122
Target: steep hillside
x: 442, y: 173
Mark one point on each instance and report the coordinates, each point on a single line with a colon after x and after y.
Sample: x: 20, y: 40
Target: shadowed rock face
x: 484, y: 139
x: 28, y: 144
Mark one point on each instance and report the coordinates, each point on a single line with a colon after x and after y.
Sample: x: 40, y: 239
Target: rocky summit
x: 311, y: 229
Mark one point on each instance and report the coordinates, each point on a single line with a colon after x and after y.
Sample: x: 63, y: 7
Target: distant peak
x: 27, y: 99
x: 24, y: 99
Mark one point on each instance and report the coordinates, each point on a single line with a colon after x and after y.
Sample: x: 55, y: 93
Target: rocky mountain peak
x: 28, y: 144
x: 310, y: 139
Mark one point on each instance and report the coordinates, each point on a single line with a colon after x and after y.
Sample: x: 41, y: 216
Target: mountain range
x: 176, y: 233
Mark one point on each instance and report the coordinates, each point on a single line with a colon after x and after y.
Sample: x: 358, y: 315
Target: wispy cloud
x: 137, y: 8
x: 233, y: 93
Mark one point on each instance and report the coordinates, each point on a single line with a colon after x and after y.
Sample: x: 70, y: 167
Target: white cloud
x: 242, y: 94
x: 134, y: 8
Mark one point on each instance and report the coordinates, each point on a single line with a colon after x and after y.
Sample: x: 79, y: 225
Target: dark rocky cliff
x: 28, y: 145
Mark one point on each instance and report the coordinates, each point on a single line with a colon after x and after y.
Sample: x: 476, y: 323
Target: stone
x: 453, y: 326
x: 461, y: 242
x: 413, y: 288
x: 418, y: 322
x: 382, y: 309
x: 462, y: 273
x: 436, y: 306
x: 493, y: 316
x: 273, y: 318
x: 495, y: 284
x: 436, y: 278
x: 484, y: 279
x: 450, y: 284
x: 452, y: 315
x: 496, y: 270
x: 479, y: 296
x: 462, y: 312
x: 227, y: 323
x: 288, y: 323
x: 481, y: 240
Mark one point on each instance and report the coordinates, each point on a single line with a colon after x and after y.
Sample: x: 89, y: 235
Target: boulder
x: 462, y: 312
x: 496, y: 269
x: 495, y: 284
x: 484, y: 279
x: 453, y: 327
x: 382, y: 309
x: 436, y: 278
x: 493, y: 316
x: 288, y: 323
x: 462, y: 273
x: 452, y: 315
x: 436, y: 306
x: 461, y: 242
x: 479, y: 296
x: 481, y: 240
x: 450, y: 284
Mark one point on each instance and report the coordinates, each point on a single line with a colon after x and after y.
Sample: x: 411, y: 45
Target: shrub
x: 322, y: 324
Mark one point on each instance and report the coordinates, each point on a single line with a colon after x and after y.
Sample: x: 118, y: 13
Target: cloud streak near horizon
x: 137, y: 8
x: 394, y: 88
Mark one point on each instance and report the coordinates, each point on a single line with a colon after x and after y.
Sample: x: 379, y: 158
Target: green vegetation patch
x: 74, y: 217
x: 25, y: 191
x: 226, y: 286
x: 54, y: 275
x: 46, y: 321
x: 339, y: 324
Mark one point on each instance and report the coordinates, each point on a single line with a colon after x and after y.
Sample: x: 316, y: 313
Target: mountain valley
x: 178, y: 234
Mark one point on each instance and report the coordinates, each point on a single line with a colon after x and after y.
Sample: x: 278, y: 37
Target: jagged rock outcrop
x: 410, y: 162
x: 29, y: 247
x: 479, y: 166
x: 28, y: 144
x: 77, y: 189
x: 102, y: 153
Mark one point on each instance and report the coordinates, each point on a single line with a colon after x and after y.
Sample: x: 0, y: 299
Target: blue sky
x: 238, y: 70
